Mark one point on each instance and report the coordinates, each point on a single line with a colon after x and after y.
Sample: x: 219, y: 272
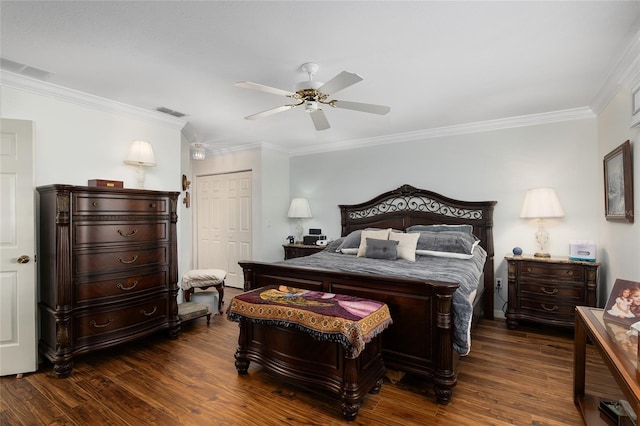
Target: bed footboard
x: 420, y: 339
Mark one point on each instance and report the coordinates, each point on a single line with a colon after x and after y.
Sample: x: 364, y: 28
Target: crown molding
x: 43, y: 88
x: 462, y: 129
x: 626, y: 73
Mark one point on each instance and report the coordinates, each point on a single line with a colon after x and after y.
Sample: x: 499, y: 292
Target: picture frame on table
x: 618, y: 184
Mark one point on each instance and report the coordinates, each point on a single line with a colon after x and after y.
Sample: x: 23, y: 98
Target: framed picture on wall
x: 635, y: 106
x: 618, y: 184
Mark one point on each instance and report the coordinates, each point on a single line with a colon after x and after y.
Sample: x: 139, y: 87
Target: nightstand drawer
x: 564, y: 272
x: 548, y: 309
x: 551, y: 291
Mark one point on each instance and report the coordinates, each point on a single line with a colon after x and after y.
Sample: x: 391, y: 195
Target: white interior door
x: 223, y: 223
x: 18, y: 337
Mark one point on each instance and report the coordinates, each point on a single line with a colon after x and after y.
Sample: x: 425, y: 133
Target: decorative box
x: 106, y: 183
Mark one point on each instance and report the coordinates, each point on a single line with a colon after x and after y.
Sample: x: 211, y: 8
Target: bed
x: 422, y: 338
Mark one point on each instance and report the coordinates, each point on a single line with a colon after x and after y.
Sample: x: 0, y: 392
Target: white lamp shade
x: 141, y: 154
x: 299, y: 208
x: 541, y: 203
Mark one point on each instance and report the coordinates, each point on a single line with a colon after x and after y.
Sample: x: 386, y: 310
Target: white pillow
x: 382, y: 234
x: 406, y: 244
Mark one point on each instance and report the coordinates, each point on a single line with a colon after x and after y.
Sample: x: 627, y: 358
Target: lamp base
x: 541, y: 254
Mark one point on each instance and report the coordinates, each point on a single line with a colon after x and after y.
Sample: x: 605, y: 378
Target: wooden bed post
x: 444, y: 377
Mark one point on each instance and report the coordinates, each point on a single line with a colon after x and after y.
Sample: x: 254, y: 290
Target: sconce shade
x: 299, y: 208
x: 541, y: 203
x: 141, y: 154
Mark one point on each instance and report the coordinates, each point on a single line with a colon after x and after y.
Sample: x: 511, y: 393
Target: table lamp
x: 141, y: 155
x: 541, y: 203
x: 299, y: 209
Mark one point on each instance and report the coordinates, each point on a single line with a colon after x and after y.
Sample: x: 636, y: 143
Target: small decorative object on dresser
x: 107, y: 269
x: 517, y: 251
x: 299, y: 250
x: 547, y: 290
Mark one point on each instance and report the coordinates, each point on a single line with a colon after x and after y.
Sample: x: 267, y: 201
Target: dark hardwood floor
x: 521, y: 377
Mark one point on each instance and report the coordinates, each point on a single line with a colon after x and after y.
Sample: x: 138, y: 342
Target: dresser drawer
x: 120, y: 232
x: 551, y: 291
x: 102, y: 325
x: 558, y: 271
x: 118, y: 204
x: 125, y: 286
x: 114, y: 260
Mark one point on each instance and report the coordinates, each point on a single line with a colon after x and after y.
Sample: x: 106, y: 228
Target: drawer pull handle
x: 545, y: 291
x: 126, y: 262
x: 555, y: 308
x: 569, y: 272
x: 95, y: 204
x: 130, y: 234
x: 94, y: 324
x: 148, y: 314
x: 121, y: 287
x: 152, y: 205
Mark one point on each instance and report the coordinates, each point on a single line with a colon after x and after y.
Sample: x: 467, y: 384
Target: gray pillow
x: 382, y: 249
x: 350, y: 243
x: 439, y: 228
x: 447, y: 241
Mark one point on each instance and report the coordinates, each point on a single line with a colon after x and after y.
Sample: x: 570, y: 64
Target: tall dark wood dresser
x: 107, y: 269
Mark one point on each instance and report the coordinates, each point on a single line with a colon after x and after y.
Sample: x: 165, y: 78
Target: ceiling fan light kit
x: 312, y: 94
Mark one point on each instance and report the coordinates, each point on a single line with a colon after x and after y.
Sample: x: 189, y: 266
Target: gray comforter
x: 465, y: 272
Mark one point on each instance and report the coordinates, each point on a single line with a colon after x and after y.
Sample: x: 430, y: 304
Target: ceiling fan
x: 313, y: 94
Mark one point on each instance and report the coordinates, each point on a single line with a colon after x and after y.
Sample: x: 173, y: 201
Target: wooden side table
x: 547, y: 290
x: 300, y: 250
x: 590, y: 324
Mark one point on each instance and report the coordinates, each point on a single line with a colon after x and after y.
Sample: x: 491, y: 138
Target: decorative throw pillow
x: 381, y: 249
x: 447, y: 244
x: 381, y: 234
x: 406, y: 244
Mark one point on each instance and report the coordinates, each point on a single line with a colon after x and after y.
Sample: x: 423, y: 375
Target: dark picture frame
x: 618, y: 184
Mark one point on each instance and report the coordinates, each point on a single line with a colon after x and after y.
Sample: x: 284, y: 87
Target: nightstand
x: 300, y: 250
x: 547, y: 290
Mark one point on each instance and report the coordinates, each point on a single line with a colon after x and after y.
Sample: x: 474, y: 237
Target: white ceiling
x: 436, y: 64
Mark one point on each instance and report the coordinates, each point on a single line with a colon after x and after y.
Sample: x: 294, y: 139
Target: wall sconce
x: 541, y: 203
x: 141, y: 155
x: 198, y: 151
x: 299, y: 209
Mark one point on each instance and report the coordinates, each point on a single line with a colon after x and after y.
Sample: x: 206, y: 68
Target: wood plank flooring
x: 521, y: 377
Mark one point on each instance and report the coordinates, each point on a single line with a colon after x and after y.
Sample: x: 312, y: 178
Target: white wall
x: 619, y: 248
x: 76, y: 142
x: 496, y: 165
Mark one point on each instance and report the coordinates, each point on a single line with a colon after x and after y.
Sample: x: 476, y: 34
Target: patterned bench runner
x: 350, y: 321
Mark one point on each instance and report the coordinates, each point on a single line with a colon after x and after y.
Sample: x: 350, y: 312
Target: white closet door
x: 224, y: 223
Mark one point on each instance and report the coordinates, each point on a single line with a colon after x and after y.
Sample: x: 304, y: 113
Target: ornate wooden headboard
x: 408, y: 206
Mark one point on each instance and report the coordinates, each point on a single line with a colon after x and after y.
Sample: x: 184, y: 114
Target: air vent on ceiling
x: 170, y: 112
x: 17, y: 67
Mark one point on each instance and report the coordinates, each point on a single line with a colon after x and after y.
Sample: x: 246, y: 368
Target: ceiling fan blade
x: 269, y: 112
x: 319, y: 120
x: 263, y: 88
x: 358, y: 106
x: 339, y: 82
